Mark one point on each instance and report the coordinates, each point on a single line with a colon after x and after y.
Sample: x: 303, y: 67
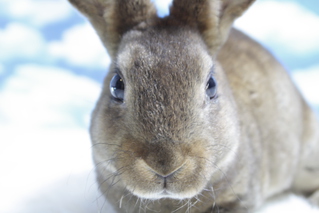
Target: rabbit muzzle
x: 164, y: 169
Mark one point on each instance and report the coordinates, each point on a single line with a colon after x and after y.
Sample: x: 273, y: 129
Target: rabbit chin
x: 165, y: 194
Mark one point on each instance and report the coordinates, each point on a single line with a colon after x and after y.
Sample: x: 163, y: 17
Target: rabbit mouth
x: 186, y: 181
x: 173, y: 191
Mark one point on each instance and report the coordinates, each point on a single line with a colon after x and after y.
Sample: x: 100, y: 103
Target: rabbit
x: 195, y: 116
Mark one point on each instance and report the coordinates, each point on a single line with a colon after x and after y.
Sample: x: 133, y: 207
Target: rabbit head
x: 166, y: 121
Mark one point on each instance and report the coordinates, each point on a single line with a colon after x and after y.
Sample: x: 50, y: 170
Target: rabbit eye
x: 211, y: 88
x: 117, y: 87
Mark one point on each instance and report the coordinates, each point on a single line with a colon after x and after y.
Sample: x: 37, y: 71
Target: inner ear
x: 213, y: 19
x: 231, y: 10
x: 112, y: 18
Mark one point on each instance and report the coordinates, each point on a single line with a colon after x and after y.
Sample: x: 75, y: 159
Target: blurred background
x: 51, y: 68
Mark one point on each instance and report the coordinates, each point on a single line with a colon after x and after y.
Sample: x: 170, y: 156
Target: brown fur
x: 229, y: 154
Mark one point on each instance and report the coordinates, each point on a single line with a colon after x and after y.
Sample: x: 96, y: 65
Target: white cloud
x: 307, y: 81
x: 285, y: 24
x: 288, y: 203
x: 32, y: 158
x: 42, y: 138
x: 20, y: 41
x: 1, y: 69
x: 36, y: 12
x: 80, y: 46
x: 72, y: 194
x: 46, y: 96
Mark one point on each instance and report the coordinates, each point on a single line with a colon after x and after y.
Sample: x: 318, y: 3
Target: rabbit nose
x: 165, y: 174
x: 164, y: 161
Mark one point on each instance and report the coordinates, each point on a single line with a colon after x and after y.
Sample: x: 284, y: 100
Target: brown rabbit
x: 195, y: 116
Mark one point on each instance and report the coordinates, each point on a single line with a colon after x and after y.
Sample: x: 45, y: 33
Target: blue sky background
x: 52, y: 65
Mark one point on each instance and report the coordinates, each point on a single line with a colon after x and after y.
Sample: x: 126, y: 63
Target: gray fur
x: 257, y: 139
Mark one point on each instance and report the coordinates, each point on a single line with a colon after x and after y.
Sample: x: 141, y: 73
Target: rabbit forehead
x: 157, y: 52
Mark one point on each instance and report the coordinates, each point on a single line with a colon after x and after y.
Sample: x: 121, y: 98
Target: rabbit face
x: 170, y: 130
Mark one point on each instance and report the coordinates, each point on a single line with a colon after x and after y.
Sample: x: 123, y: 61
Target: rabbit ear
x: 213, y: 18
x: 112, y: 18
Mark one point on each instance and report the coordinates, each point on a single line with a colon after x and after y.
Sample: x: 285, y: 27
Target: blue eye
x: 117, y: 87
x: 211, y: 88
